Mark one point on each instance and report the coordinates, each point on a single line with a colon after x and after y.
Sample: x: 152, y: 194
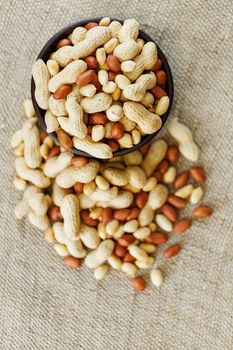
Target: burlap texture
x: 46, y: 306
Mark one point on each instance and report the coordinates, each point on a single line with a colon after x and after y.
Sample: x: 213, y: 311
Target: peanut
x: 156, y: 277
x: 138, y: 283
x: 198, y: 174
x: 196, y: 195
x: 202, y: 212
x: 171, y: 251
x: 182, y: 225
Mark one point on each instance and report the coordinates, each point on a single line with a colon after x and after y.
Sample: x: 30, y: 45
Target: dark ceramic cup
x: 50, y: 46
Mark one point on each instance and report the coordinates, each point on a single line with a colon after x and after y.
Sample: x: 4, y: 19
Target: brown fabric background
x: 45, y: 306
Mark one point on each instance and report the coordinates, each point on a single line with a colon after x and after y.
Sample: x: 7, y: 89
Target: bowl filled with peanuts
x: 102, y: 88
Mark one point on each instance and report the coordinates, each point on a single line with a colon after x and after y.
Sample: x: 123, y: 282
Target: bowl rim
x: 50, y: 46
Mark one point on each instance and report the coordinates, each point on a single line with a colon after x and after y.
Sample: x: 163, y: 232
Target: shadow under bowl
x: 50, y: 46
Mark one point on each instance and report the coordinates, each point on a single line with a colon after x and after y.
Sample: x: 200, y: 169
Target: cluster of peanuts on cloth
x: 103, y: 89
x: 111, y: 213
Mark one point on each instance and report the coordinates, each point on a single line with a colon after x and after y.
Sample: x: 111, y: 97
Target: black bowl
x: 50, y: 46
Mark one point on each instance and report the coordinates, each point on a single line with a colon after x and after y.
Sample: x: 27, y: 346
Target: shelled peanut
x: 103, y: 88
x: 109, y: 214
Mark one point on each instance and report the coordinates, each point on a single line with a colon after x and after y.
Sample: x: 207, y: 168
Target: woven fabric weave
x: 43, y: 305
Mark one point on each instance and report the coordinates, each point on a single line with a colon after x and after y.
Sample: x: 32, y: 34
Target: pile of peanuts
x: 103, y: 88
x: 111, y: 213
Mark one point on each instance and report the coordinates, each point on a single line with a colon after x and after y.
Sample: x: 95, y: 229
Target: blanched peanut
x: 147, y: 121
x: 101, y: 56
x: 48, y: 141
x: 101, y: 271
x: 122, y: 81
x: 110, y: 45
x: 75, y: 248
x: 44, y: 152
x: 162, y: 105
x: 19, y: 183
x: 163, y: 222
x: 89, y: 188
x: 115, y: 262
x: 142, y: 233
x: 170, y: 175
x: 41, y: 77
x: 96, y: 213
x: 196, y: 195
x: 61, y: 249
x: 129, y: 269
x: 114, y: 113
x: 148, y: 247
x: 105, y: 21
x: 148, y: 100
x: 184, y: 192
x: 103, y: 77
x: 102, y: 183
x: 145, y: 264
x: 137, y: 253
x: 126, y: 141
x: 53, y: 67
x: 97, y: 133
x: 110, y: 87
x: 128, y: 124
x: 112, y: 227
x: 49, y: 235
x: 88, y: 90
x: 136, y: 137
x: 131, y: 226
x: 156, y: 277
x: 128, y: 66
x: 150, y: 184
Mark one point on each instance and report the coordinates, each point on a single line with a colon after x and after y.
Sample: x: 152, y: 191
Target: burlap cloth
x: 43, y: 305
